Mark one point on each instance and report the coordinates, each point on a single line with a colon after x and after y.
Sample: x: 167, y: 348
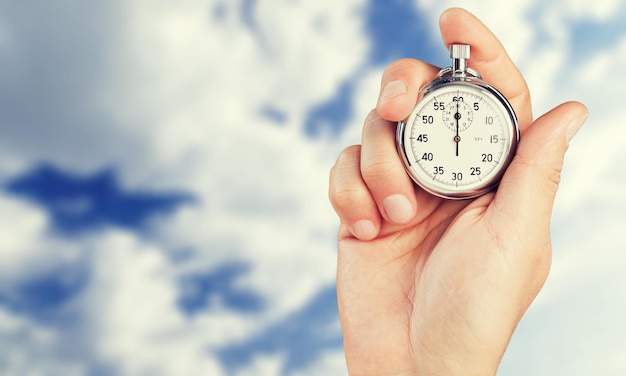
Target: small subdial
x: 458, y: 114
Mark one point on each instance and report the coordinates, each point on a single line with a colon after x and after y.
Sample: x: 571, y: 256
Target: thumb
x: 529, y: 186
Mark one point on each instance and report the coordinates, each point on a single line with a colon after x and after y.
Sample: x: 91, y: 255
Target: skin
x: 428, y: 286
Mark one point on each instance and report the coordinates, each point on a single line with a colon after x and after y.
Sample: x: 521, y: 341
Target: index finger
x: 489, y: 58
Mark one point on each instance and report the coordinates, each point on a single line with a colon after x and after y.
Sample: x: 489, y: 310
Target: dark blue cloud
x: 44, y: 296
x: 395, y: 29
x: 301, y: 337
x: 332, y: 114
x: 77, y: 203
x: 198, y: 290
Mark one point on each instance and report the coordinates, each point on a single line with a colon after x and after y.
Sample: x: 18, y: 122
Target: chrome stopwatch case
x: 462, y: 134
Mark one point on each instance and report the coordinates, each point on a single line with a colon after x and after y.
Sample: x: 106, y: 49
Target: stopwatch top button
x: 459, y: 51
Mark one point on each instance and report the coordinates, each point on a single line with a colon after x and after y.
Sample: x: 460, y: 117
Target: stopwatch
x: 461, y: 135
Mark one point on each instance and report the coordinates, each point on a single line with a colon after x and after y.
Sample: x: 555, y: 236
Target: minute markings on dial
x: 429, y: 136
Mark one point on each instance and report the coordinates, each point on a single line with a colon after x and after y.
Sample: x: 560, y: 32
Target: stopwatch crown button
x: 459, y: 54
x: 459, y: 51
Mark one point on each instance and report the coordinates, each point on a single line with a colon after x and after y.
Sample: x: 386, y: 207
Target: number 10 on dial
x: 461, y: 135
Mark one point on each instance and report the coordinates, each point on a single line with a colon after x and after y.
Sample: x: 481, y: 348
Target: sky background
x: 164, y: 170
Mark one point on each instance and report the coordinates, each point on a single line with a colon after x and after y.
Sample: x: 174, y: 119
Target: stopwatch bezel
x: 489, y: 184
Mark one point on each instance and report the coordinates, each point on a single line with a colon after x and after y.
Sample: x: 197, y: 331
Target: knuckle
x: 348, y: 155
x: 342, y: 175
x: 371, y: 116
x: 347, y: 197
x: 346, y: 160
x: 553, y: 179
x: 377, y: 168
x: 372, y: 122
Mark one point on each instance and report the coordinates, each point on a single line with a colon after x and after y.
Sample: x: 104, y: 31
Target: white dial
x: 459, y: 139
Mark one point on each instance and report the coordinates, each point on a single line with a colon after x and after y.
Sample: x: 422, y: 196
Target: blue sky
x: 164, y: 166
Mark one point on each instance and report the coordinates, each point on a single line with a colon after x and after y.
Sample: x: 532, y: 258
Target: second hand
x: 457, y: 138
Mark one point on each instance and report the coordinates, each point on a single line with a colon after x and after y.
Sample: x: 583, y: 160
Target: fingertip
x: 398, y: 209
x: 452, y: 13
x: 392, y: 104
x: 571, y: 115
x: 392, y: 90
x: 454, y: 19
x: 397, y: 108
x: 364, y: 229
x: 400, y: 84
x: 579, y: 116
x: 576, y: 109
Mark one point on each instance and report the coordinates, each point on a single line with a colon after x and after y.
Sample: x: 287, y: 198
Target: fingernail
x: 398, y: 208
x: 392, y: 89
x: 365, y: 229
x: 574, y: 125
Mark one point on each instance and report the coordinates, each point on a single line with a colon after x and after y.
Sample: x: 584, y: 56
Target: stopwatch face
x: 459, y: 139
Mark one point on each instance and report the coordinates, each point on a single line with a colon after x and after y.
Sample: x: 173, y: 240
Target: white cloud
x: 600, y: 10
x: 195, y: 88
x: 262, y: 186
x: 21, y: 225
x: 131, y: 312
x: 182, y: 96
x: 26, y: 248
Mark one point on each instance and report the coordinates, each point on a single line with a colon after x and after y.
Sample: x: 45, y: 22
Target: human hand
x: 428, y: 286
